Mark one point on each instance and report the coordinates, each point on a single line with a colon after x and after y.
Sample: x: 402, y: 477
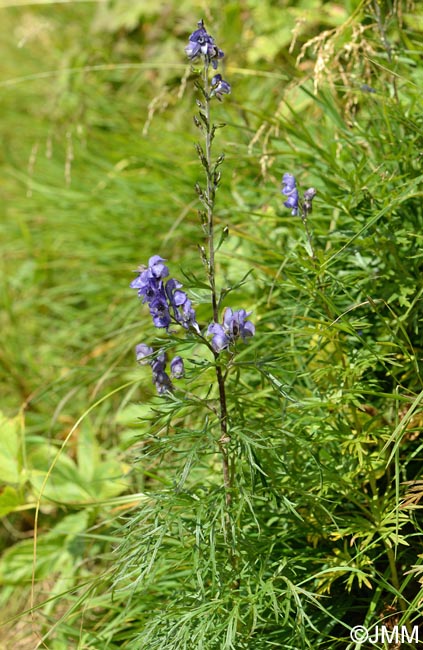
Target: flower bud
x: 142, y: 352
x: 177, y: 369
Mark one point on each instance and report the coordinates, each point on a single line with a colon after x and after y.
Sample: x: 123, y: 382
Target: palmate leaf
x: 10, y: 500
x: 96, y: 475
x: 57, y: 551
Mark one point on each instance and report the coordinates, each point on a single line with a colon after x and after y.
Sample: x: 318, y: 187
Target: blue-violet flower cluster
x: 165, y: 299
x: 202, y: 44
x: 289, y: 189
x: 161, y: 379
x: 234, y: 325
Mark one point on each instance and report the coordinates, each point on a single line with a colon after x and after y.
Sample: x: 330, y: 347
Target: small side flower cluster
x: 165, y: 299
x: 161, y: 379
x: 201, y: 44
x: 289, y: 189
x: 234, y: 325
x: 169, y: 304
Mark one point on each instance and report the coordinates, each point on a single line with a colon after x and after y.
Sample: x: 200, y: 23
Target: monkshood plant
x: 170, y: 306
x: 202, y: 547
x: 206, y: 546
x: 192, y: 532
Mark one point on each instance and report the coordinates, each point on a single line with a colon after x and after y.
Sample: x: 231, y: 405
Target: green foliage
x: 325, y: 402
x: 10, y: 450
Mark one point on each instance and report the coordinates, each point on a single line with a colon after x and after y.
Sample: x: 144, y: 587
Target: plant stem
x: 210, y: 196
x: 309, y: 239
x: 224, y: 436
x: 396, y: 583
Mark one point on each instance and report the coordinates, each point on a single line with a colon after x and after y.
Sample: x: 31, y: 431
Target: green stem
x: 308, y: 234
x: 224, y: 438
x: 395, y: 581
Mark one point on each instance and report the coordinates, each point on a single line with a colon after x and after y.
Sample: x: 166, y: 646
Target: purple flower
x: 177, y: 369
x: 142, y: 352
x: 237, y: 324
x: 156, y: 267
x: 159, y: 311
x: 289, y: 188
x: 202, y: 44
x: 162, y: 383
x: 160, y: 378
x: 164, y: 297
x: 175, y: 296
x: 186, y: 316
x: 219, y: 86
x: 159, y: 363
x: 220, y: 340
x: 147, y: 286
x: 234, y: 326
x: 183, y: 313
x: 149, y: 281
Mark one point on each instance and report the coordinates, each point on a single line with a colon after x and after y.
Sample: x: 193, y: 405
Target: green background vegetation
x: 98, y: 167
